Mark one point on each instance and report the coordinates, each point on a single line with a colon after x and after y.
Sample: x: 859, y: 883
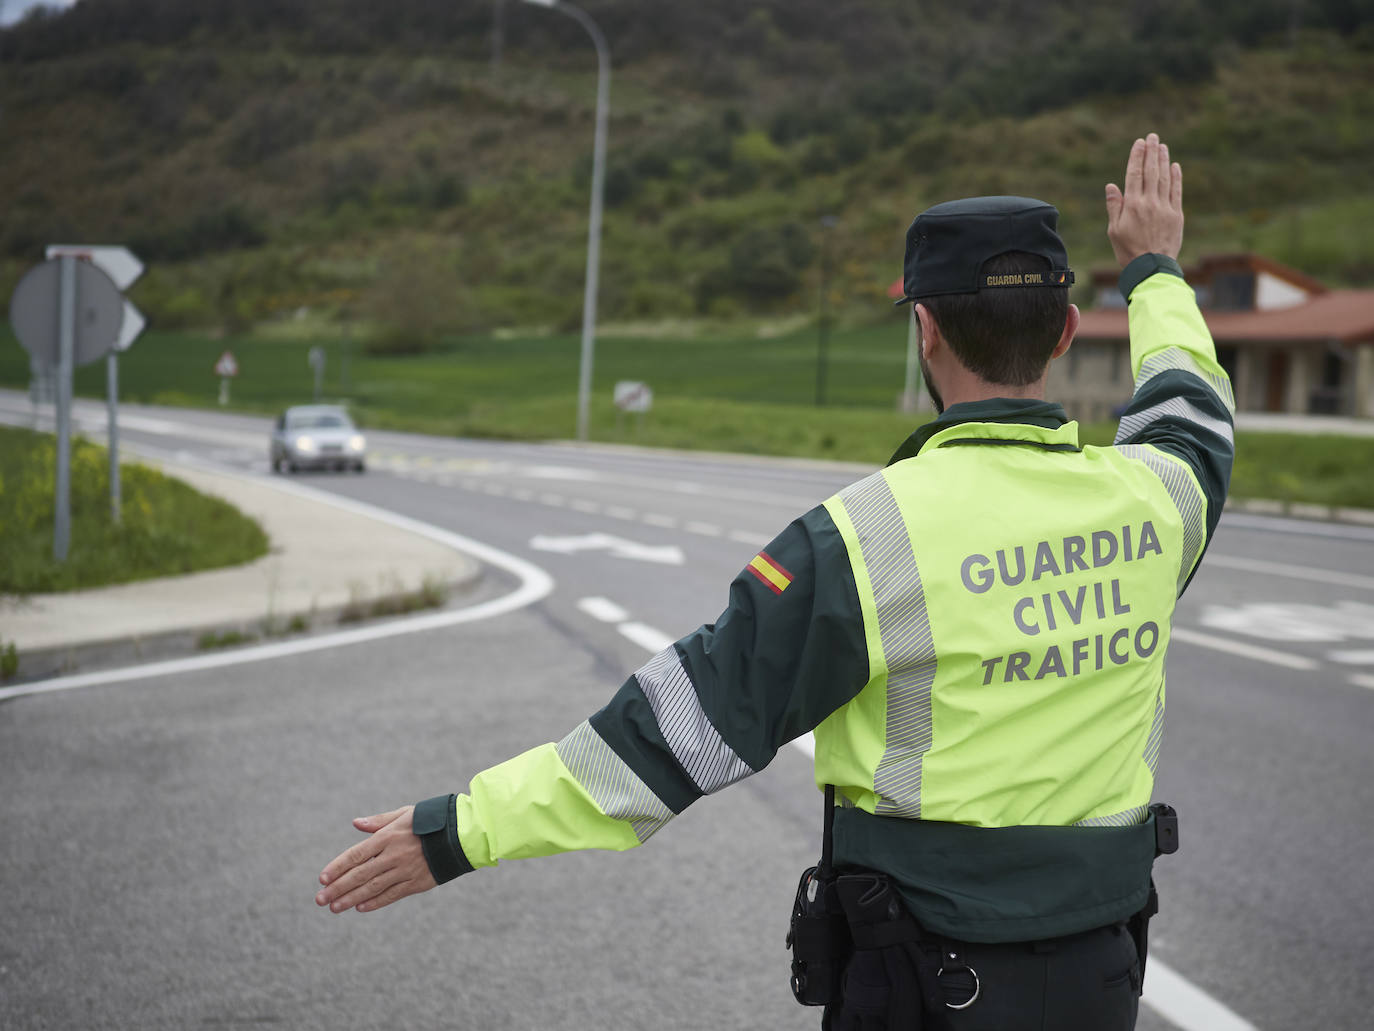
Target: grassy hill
x: 370, y: 162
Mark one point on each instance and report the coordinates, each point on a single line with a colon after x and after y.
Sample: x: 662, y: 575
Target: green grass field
x: 742, y: 391
x: 166, y: 527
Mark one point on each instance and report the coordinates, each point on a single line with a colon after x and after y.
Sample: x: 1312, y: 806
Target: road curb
x: 1304, y: 510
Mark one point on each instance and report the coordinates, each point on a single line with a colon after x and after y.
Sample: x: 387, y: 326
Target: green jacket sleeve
x: 707, y: 711
x: 1182, y: 404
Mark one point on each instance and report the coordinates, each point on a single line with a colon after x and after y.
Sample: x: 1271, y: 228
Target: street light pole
x: 828, y: 223
x: 603, y: 97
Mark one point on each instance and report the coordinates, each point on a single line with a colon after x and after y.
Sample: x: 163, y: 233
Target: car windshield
x: 319, y: 421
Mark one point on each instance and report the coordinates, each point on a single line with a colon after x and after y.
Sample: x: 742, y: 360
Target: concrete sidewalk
x: 323, y: 560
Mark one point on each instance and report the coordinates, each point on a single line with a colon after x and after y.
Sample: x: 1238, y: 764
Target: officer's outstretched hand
x: 1145, y: 215
x: 383, y: 868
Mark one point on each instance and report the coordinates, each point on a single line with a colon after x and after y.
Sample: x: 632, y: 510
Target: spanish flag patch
x: 772, y: 575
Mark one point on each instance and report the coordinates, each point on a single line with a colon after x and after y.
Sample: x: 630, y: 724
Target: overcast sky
x: 12, y: 10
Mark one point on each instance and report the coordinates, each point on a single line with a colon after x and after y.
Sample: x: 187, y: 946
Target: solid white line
x: 1184, y: 1004
x: 603, y: 609
x: 535, y: 584
x: 646, y: 636
x: 1248, y: 651
x: 1321, y: 576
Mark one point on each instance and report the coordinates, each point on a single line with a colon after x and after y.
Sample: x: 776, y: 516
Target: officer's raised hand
x: 1145, y: 214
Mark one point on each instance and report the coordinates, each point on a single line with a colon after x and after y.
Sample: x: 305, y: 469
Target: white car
x: 317, y: 437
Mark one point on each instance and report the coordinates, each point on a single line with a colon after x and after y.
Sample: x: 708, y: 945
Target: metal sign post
x: 123, y: 269
x: 66, y: 312
x: 316, y: 360
x: 66, y: 348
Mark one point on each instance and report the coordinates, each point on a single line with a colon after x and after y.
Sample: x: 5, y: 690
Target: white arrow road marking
x: 535, y: 584
x: 618, y: 547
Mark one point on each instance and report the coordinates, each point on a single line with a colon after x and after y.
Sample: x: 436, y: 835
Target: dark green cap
x: 947, y: 245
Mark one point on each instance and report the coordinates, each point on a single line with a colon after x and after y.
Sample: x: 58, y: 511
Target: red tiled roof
x: 1346, y: 316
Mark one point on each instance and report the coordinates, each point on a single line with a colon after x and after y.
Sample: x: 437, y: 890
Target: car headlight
x: 356, y: 442
x: 306, y: 445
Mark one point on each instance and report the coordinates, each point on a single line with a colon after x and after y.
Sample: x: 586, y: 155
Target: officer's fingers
x: 392, y: 894
x: 357, y: 885
x: 1114, y: 202
x: 350, y: 859
x: 367, y: 890
x: 1150, y: 167
x: 1134, y: 165
x: 1176, y: 186
x: 1164, y: 173
x: 376, y: 823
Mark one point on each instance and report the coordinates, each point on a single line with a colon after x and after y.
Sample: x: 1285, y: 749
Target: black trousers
x: 1083, y: 982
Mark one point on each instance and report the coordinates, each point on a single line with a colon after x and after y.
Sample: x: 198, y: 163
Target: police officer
x: 976, y: 634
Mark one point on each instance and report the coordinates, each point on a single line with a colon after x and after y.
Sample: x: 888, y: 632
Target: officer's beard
x: 931, y: 389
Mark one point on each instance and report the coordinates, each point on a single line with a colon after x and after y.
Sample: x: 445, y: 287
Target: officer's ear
x: 1066, y: 338
x: 931, y: 338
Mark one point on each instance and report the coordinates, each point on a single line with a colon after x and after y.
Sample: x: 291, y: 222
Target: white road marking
x: 1363, y: 680
x: 535, y: 584
x: 1248, y: 651
x: 658, y: 519
x: 745, y: 537
x: 1284, y: 621
x: 705, y: 529
x: 645, y: 636
x: 621, y: 512
x: 618, y: 547
x: 1353, y: 657
x: 603, y: 609
x: 552, y: 499
x: 582, y: 505
x: 1321, y: 576
x: 1185, y: 1005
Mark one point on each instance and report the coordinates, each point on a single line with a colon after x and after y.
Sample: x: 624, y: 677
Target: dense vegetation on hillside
x: 370, y: 161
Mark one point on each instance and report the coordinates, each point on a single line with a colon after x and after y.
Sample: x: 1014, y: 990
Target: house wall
x: 1363, y: 399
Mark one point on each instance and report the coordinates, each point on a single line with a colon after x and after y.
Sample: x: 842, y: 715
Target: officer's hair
x: 1004, y: 334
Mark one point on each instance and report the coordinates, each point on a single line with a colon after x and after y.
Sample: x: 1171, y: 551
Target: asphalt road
x: 162, y: 836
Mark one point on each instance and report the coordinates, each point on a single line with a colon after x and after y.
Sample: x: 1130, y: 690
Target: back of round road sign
x: 34, y: 312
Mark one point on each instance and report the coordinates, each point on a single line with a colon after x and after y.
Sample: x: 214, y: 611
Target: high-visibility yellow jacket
x: 977, y: 635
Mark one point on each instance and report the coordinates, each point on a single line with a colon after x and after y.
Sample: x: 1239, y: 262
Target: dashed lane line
x: 603, y: 610
x: 1363, y: 680
x: 645, y: 636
